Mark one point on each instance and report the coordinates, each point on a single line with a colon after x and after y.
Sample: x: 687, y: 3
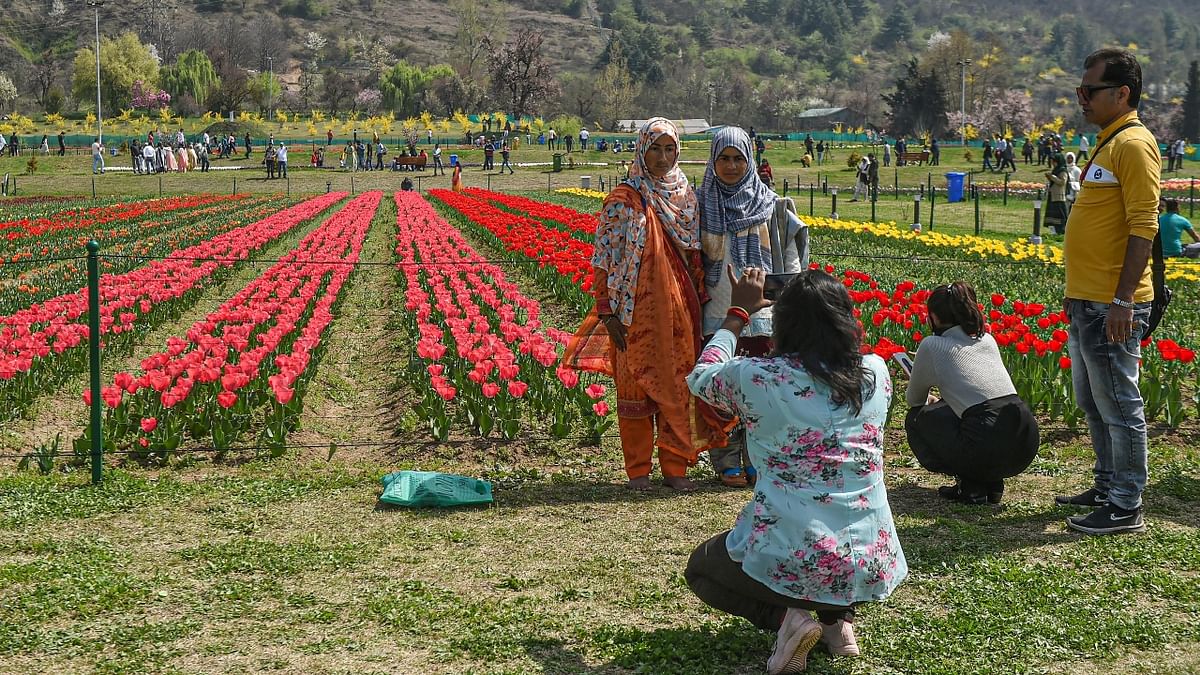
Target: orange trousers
x: 639, y: 416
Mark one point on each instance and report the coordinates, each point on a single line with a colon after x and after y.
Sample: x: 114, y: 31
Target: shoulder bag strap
x: 1158, y: 267
x: 1096, y: 150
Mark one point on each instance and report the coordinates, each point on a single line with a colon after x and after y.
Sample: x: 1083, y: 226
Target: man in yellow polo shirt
x: 1109, y: 289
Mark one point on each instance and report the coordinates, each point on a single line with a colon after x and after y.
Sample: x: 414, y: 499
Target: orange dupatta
x: 662, y: 343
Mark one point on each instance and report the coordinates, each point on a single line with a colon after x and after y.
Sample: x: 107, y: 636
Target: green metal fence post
x: 975, y: 192
x: 812, y: 191
x: 1006, y: 188
x: 1192, y: 199
x: 93, y: 268
x: 932, y: 201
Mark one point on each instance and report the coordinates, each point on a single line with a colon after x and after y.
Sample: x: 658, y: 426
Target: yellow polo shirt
x: 1118, y: 198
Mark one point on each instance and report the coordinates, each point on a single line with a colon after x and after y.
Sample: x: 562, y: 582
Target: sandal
x: 733, y: 478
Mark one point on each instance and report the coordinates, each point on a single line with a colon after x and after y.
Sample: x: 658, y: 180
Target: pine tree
x: 1190, y: 128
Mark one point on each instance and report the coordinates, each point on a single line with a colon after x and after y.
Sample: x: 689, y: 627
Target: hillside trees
x: 192, y: 74
x: 404, y: 85
x: 8, y: 92
x: 481, y: 24
x: 918, y: 105
x: 521, y: 73
x: 123, y: 60
x: 615, y: 88
x: 1189, y: 126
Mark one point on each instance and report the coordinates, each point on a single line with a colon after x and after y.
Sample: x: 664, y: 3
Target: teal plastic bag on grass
x: 433, y: 488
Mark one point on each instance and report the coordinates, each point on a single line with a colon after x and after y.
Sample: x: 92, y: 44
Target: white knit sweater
x: 966, y: 370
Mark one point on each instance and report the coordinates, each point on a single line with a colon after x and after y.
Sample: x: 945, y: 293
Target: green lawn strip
x: 567, y: 573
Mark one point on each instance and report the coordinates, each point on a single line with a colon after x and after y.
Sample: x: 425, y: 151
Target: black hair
x: 955, y: 305
x: 1120, y: 67
x: 814, y: 322
x: 1172, y: 206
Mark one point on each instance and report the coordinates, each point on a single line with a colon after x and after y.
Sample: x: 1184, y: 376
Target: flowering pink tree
x: 1008, y: 110
x: 146, y: 96
x: 368, y: 100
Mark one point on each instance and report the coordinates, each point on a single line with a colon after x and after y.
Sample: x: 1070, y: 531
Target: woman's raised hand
x: 747, y: 292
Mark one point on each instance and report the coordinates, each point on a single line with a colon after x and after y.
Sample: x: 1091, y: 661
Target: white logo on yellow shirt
x: 1099, y: 174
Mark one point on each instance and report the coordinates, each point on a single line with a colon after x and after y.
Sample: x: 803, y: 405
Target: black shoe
x: 1110, y: 519
x: 955, y: 493
x: 1091, y: 498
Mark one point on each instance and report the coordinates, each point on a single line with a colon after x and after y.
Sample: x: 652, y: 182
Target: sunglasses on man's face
x: 1085, y: 92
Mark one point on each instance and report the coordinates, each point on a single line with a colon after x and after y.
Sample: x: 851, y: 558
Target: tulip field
x: 265, y: 359
x: 483, y: 363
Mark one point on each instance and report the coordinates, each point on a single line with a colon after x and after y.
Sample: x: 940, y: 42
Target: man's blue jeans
x: 97, y: 163
x: 1105, y: 377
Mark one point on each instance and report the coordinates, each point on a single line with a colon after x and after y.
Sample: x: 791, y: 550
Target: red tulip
x: 595, y: 391
x: 227, y: 399
x: 600, y: 408
x: 149, y: 424
x: 517, y: 389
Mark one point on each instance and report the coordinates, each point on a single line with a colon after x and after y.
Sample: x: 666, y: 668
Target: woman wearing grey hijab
x: 743, y: 223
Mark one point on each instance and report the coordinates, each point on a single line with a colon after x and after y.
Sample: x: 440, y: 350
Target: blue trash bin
x: 453, y: 160
x: 954, y: 186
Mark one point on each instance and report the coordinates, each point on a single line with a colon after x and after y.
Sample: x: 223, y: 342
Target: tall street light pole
x: 963, y: 64
x: 270, y: 87
x: 95, y: 5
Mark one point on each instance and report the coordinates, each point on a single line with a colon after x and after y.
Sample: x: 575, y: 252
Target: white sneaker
x: 797, y: 636
x: 839, y: 638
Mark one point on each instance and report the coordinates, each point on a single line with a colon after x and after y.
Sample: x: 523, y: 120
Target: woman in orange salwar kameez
x: 644, y: 331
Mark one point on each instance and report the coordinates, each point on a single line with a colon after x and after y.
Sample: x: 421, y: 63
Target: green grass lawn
x: 292, y: 566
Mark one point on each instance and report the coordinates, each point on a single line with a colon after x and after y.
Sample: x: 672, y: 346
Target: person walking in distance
x: 437, y: 160
x: 1109, y: 290
x: 505, y: 153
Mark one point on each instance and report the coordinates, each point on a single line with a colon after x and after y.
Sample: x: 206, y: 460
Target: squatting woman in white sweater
x: 980, y: 431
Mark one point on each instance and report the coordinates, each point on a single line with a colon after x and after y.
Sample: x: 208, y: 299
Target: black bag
x: 1162, y: 294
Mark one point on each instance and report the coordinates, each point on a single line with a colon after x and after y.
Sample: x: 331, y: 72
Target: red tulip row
x: 564, y: 263
x: 255, y: 352
x: 78, y: 219
x: 1032, y: 339
x: 42, y: 344
x: 36, y: 279
x: 582, y: 225
x: 481, y: 344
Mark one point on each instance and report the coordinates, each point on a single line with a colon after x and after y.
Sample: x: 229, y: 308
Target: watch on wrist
x: 1123, y: 303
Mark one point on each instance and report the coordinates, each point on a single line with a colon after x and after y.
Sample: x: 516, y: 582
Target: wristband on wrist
x: 1123, y: 303
x: 739, y: 312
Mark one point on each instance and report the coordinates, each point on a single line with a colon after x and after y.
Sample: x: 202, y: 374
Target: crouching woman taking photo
x: 818, y: 534
x: 979, y: 431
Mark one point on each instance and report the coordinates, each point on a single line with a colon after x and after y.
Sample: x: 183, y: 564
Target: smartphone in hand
x: 904, y: 361
x: 775, y: 284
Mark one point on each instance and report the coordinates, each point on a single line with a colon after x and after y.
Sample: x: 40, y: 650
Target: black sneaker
x: 1091, y: 498
x: 956, y: 493
x: 1110, y: 519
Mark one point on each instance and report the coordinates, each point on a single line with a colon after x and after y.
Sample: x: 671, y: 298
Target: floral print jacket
x: 819, y: 526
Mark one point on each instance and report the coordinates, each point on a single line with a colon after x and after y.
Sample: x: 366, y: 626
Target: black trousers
x: 993, y: 440
x: 720, y: 583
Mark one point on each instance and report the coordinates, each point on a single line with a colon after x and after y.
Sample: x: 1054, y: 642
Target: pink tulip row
x: 479, y: 340
x: 219, y: 374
